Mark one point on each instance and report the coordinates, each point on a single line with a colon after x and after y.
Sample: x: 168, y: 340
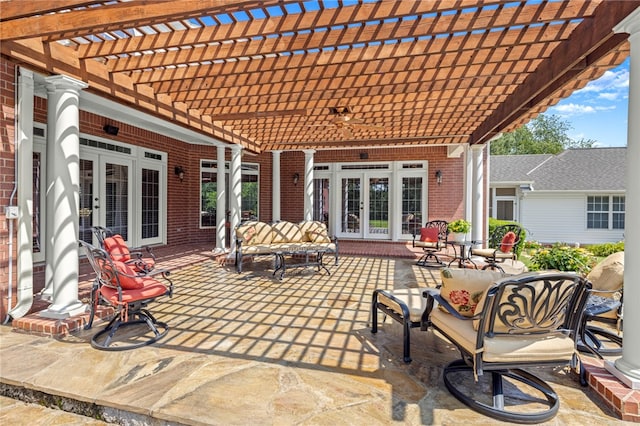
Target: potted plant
x: 459, y: 229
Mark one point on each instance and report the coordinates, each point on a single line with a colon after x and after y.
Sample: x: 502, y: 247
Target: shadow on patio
x: 250, y: 349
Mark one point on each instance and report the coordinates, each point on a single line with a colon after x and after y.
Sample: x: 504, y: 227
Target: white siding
x: 561, y: 217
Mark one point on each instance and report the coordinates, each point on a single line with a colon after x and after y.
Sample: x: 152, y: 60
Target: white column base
x: 64, y: 312
x: 631, y: 382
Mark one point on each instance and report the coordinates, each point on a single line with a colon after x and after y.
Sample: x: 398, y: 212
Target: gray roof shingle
x: 590, y: 169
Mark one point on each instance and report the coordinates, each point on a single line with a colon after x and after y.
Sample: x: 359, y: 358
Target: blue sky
x: 599, y: 110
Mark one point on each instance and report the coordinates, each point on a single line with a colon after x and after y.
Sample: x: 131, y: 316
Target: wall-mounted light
x: 296, y: 178
x: 179, y: 171
x: 110, y: 129
x: 439, y: 176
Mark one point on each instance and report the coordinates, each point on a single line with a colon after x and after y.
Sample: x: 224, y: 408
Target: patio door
x: 105, y: 188
x: 364, y: 205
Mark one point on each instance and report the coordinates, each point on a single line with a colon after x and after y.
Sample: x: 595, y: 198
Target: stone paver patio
x: 250, y: 349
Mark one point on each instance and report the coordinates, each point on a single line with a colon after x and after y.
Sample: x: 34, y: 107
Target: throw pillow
x: 463, y: 288
x: 318, y: 236
x: 126, y: 276
x: 507, y: 242
x: 429, y: 235
x: 117, y: 248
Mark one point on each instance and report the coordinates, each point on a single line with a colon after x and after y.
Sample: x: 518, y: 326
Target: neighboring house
x: 577, y: 196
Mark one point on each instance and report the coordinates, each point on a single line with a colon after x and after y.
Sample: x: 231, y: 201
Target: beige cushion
x: 312, y: 226
x: 489, y: 252
x: 411, y: 297
x: 608, y: 275
x: 254, y: 233
x: 463, y: 288
x: 426, y: 244
x: 286, y: 232
x: 520, y: 348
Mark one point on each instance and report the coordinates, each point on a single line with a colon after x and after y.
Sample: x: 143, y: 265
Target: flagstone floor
x: 251, y: 349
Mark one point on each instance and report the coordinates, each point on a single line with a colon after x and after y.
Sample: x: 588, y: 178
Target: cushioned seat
x: 117, y: 284
x: 526, y: 320
x: 431, y: 239
x: 503, y: 245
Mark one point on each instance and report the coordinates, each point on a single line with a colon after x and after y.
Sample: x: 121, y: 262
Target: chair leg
x: 107, y: 338
x: 406, y: 336
x: 497, y: 409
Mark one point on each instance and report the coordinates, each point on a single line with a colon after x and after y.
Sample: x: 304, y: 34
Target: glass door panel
x: 412, y: 201
x: 351, y: 207
x: 115, y: 202
x: 321, y: 200
x: 150, y: 212
x: 378, y: 214
x: 88, y: 201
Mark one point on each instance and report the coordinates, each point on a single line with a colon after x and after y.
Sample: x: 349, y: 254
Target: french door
x: 364, y: 205
x: 105, y: 188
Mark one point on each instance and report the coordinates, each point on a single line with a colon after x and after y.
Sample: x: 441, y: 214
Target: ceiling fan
x: 345, y: 122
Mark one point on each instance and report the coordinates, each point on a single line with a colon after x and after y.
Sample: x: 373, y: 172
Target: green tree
x: 546, y: 134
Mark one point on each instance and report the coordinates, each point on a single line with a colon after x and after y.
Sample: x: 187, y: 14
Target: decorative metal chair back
x: 515, y: 306
x: 441, y: 225
x: 496, y: 237
x: 101, y: 233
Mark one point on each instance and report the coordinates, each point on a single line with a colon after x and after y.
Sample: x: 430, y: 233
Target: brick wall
x: 7, y: 173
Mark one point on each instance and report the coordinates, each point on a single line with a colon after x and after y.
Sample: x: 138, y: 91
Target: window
x: 605, y: 212
x: 209, y: 192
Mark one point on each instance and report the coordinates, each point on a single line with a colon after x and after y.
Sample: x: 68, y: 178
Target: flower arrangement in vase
x: 459, y: 229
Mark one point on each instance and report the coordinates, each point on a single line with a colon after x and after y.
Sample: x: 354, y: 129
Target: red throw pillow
x: 507, y: 242
x: 127, y: 277
x: 429, y: 235
x: 117, y: 248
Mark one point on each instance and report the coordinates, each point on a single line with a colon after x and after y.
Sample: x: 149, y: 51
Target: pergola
x: 281, y: 75
x: 301, y: 75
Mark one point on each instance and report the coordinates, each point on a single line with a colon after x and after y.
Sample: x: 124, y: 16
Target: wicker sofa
x: 259, y: 239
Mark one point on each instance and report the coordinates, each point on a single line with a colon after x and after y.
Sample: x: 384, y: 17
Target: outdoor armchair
x: 503, y: 245
x: 118, y: 249
x: 432, y: 239
x: 118, y: 285
x: 520, y: 322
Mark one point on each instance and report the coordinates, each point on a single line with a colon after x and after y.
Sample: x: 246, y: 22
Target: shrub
x: 604, y: 250
x: 563, y: 258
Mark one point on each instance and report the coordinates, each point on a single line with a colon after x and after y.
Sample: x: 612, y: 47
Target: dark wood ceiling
x: 271, y: 74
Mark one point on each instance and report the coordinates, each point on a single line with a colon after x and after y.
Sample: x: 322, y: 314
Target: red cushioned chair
x: 117, y: 284
x: 432, y: 239
x: 115, y: 245
x: 503, y: 245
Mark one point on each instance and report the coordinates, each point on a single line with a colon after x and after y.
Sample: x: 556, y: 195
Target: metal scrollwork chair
x: 118, y: 285
x: 432, y: 239
x: 503, y: 245
x: 522, y: 321
x: 117, y: 248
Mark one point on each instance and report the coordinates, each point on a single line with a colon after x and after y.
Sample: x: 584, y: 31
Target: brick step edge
x: 37, y: 325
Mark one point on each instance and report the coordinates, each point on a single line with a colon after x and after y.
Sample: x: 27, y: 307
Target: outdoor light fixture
x: 110, y: 130
x: 296, y: 178
x: 179, y: 171
x: 439, y: 176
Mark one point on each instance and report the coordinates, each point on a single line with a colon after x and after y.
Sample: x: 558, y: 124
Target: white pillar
x: 468, y: 183
x: 235, y: 197
x: 24, y: 269
x: 221, y: 206
x: 63, y: 190
x: 275, y: 186
x: 477, y: 191
x: 629, y: 364
x: 308, y: 184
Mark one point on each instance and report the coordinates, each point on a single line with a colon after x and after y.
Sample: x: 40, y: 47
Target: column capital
x: 236, y: 149
x: 630, y: 24
x: 58, y: 82
x: 477, y: 147
x: 276, y: 152
x: 309, y: 152
x: 25, y: 73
